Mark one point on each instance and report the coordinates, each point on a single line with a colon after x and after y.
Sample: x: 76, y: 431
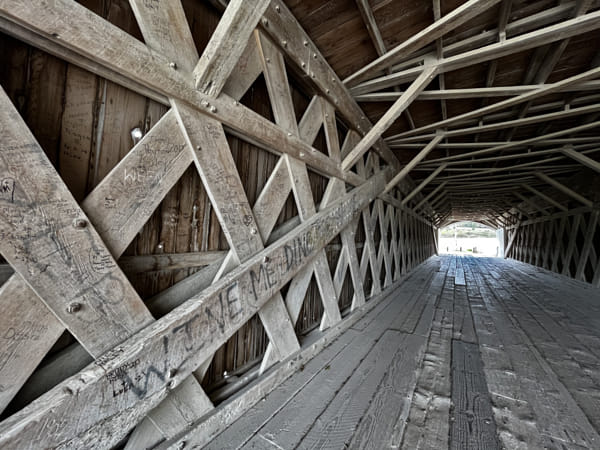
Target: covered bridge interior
x: 219, y: 223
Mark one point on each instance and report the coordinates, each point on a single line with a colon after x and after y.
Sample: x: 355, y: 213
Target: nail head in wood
x: 74, y: 307
x: 80, y: 223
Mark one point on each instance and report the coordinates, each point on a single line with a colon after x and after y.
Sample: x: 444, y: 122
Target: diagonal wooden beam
x: 146, y: 180
x: 413, y: 162
x: 569, y: 28
x: 166, y: 31
x: 423, y: 183
x: 449, y: 22
x: 561, y: 187
x: 223, y: 186
x: 45, y: 234
x: 430, y: 196
x: 545, y: 118
x: 588, y: 246
x: 389, y: 117
x: 120, y: 52
x: 545, y: 197
x: 227, y: 44
x: 367, y: 16
x: 182, y: 340
x: 283, y: 111
x: 581, y: 158
x: 546, y: 90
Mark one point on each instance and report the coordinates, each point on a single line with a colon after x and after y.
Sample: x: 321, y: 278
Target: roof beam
x: 516, y: 144
x: 545, y: 197
x: 537, y: 93
x: 564, y: 114
x: 579, y: 25
x: 367, y: 16
x: 390, y: 116
x: 411, y: 165
x: 564, y: 189
x: 423, y: 183
x: 581, y: 158
x: 479, y: 92
x: 449, y: 22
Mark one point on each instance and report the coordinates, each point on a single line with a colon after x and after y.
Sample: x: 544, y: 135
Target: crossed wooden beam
x: 74, y: 272
x: 64, y: 253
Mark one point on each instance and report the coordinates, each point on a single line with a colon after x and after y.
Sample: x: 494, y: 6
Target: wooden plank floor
x: 469, y: 353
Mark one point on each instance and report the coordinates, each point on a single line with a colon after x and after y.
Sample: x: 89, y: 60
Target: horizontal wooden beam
x: 449, y: 22
x: 466, y: 93
x: 568, y: 28
x: 581, y: 158
x: 558, y: 115
x: 515, y: 144
x: 168, y: 261
x: 499, y: 106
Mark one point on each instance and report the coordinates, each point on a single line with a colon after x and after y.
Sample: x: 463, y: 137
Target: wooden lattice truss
x: 64, y: 253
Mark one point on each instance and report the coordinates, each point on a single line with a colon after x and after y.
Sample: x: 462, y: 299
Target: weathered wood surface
x: 146, y: 180
x: 503, y: 348
x: 44, y: 237
x: 129, y: 375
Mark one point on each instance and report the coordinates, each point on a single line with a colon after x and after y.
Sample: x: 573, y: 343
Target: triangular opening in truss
x: 183, y: 223
x: 242, y: 352
x: 257, y: 99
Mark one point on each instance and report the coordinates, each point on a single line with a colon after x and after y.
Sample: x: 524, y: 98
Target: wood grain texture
x: 90, y: 295
x: 227, y: 45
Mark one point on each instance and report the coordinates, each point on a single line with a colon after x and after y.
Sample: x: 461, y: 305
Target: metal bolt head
x: 266, y: 259
x: 213, y: 109
x: 74, y: 307
x: 80, y: 223
x: 253, y: 231
x: 305, y: 43
x: 172, y: 373
x: 265, y: 22
x: 284, y: 43
x: 173, y: 65
x: 277, y: 8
